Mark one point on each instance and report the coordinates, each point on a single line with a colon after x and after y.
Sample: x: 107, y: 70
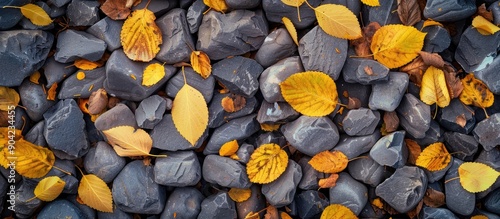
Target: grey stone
x: 238, y: 74
x: 281, y: 191
x: 364, y: 71
x: 109, y: 31
x: 276, y: 9
x: 489, y: 75
x: 310, y: 204
x: 22, y: 52
x: 458, y: 200
x: 271, y: 78
x: 367, y: 171
x: 135, y: 191
x: 72, y: 87
x: 433, y: 134
x: 255, y: 203
x: 244, y: 152
x: 178, y: 42
x: 74, y: 44
x: 449, y: 11
x: 382, y: 14
x: 456, y: 109
x: 22, y: 121
x: 117, y: 116
x: 436, y: 40
x: 103, y: 162
x: 354, y: 90
x: 25, y: 208
x: 218, y: 116
x: 9, y: 17
x: 230, y: 34
x: 242, y: 4
x: 34, y: 99
x: 431, y: 213
x: 277, y: 112
x: 150, y: 111
x: 387, y: 96
x: 55, y: 71
x: 117, y: 213
x: 218, y: 205
x: 35, y: 134
x: 355, y: 146
x: 492, y: 202
x: 58, y: 3
x: 180, y: 169
x: 312, y: 49
x: 495, y: 9
x: 61, y: 208
x: 26, y: 24
x: 166, y: 137
x: 87, y: 211
x: 83, y: 13
x: 359, y: 122
x: 463, y: 146
x: 205, y: 86
x: 158, y: 7
x: 404, y: 189
x: 277, y: 46
x: 349, y: 193
x: 310, y: 176
x: 487, y: 132
x: 225, y: 171
x: 414, y: 116
x: 390, y: 150
x: 65, y: 130
x: 183, y: 203
x: 56, y: 11
x: 195, y: 15
x: 475, y: 51
x: 236, y: 129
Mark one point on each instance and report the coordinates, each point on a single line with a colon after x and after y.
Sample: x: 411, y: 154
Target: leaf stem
x: 147, y: 4
x: 310, y: 6
x: 356, y: 158
x: 64, y: 171
x: 485, y: 113
x: 435, y: 112
x: 454, y: 178
x: 184, y: 75
x: 11, y: 6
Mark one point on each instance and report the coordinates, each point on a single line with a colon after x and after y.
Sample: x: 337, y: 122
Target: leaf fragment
x: 434, y: 157
x: 372, y: 3
x: 239, y: 195
x: 94, y: 192
x: 293, y: 3
x: 36, y: 14
x: 329, y: 162
x: 453, y: 82
x: 415, y: 69
x: 476, y: 177
x: 284, y: 215
x: 428, y: 23
x: 409, y: 12
x: 229, y: 148
x: 338, y: 21
x: 252, y: 215
x: 432, y: 59
x: 434, y: 198
x: 266, y: 163
x: 337, y: 211
x: 8, y: 97
x: 484, y: 26
x: 328, y: 182
x: 85, y: 64
x: 52, y: 92
x: 233, y: 103
x: 201, y: 63
x: 362, y: 45
x: 128, y: 141
x: 218, y: 5
x: 152, y: 74
x: 476, y: 93
x: 434, y: 89
x: 414, y: 151
x: 98, y: 101
x: 49, y: 188
x: 291, y: 29
x: 487, y: 14
x: 140, y: 36
x: 190, y: 113
x: 118, y: 9
x: 269, y: 127
x: 271, y: 213
x: 35, y: 77
x: 391, y: 121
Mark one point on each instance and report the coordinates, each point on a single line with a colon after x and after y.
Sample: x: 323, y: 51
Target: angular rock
x: 242, y: 4
x: 433, y: 134
x: 72, y: 87
x: 436, y: 40
x: 364, y: 71
x: 205, y: 86
x: 158, y: 7
x: 179, y: 169
x: 449, y: 11
x: 87, y: 211
x: 23, y: 207
x: 464, y: 146
x: 103, y: 162
x: 109, y: 31
x: 35, y: 134
x: 489, y: 75
x: 458, y: 199
x: 10, y: 16
x: 218, y: 116
x: 354, y: 90
x: 414, y: 116
x: 183, y: 202
x: 236, y: 129
x: 475, y: 51
x: 349, y: 193
x: 276, y: 9
x: 355, y: 146
x: 61, y: 208
x: 281, y: 191
x: 487, y: 132
x: 55, y: 71
x: 244, y: 152
x: 117, y: 213
x: 387, y: 96
x: 34, y: 99
x: 455, y: 114
x: 270, y: 79
x: 56, y: 11
x: 256, y: 202
x: 83, y: 13
x: 22, y: 121
x: 310, y: 203
x: 238, y: 74
x: 174, y: 27
x: 277, y: 46
x: 166, y: 137
x: 74, y: 44
x: 218, y: 205
x: 368, y: 171
x: 429, y: 213
x: 150, y: 111
x: 277, y: 112
x: 359, y: 122
x: 225, y: 171
x: 492, y: 202
x: 382, y: 14
x: 195, y: 15
x: 390, y: 150
x: 117, y: 116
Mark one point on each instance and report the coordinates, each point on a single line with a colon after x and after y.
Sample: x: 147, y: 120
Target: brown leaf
x: 112, y: 101
x: 116, y: 9
x: 421, y: 4
x: 271, y: 213
x: 409, y: 12
x: 434, y: 198
x: 391, y: 121
x: 487, y: 14
x: 414, y: 151
x: 461, y: 120
x: 98, y: 101
x: 328, y: 182
x: 362, y: 45
x: 433, y: 59
x: 415, y: 69
x: 354, y: 103
x: 233, y: 103
x: 414, y: 212
x: 453, y: 82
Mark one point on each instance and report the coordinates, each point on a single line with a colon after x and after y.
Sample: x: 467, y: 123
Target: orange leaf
x: 284, y: 215
x: 229, y: 148
x: 434, y: 157
x: 414, y: 150
x: 329, y: 162
x: 85, y: 64
x: 239, y: 195
x: 52, y: 92
x: 434, y: 198
x: 271, y: 213
x: 201, y: 63
x: 269, y: 127
x: 35, y: 77
x: 328, y: 182
x: 218, y: 5
x: 233, y: 103
x: 362, y: 45
x: 476, y: 93
x: 118, y: 9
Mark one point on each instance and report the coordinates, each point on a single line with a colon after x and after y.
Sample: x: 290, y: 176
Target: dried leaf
x: 190, y: 113
x: 414, y: 151
x: 269, y: 127
x: 284, y: 215
x: 391, y: 121
x: 337, y: 211
x: 271, y: 213
x: 476, y: 93
x: 354, y: 103
x: 310, y: 93
x: 32, y: 161
x: 128, y: 141
x: 428, y: 23
x: 293, y: 3
x: 98, y: 101
x: 362, y: 45
x: 415, y: 69
x: 479, y: 216
x: 239, y: 195
x: 140, y: 36
x: 201, y: 63
x: 434, y: 157
x: 218, y: 5
x: 372, y: 3
x: 434, y: 198
x: 266, y: 163
x: 85, y: 64
x: 484, y: 26
x: 487, y: 14
x: 328, y: 182
x: 94, y: 192
x: 432, y: 59
x: 35, y: 77
x: 453, y: 82
x: 35, y: 14
x: 434, y: 89
x: 49, y: 188
x: 378, y: 203
x: 152, y: 74
x: 338, y: 21
x: 396, y: 45
x: 415, y: 211
x: 229, y: 148
x: 461, y: 120
x: 291, y: 29
x: 233, y: 103
x: 52, y: 92
x: 252, y: 215
x: 329, y: 162
x: 116, y: 9
x: 8, y: 97
x: 476, y: 177
x: 409, y: 12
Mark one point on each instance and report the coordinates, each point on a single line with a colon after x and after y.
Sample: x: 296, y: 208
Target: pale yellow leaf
x: 128, y: 141
x: 201, y: 63
x: 229, y: 148
x: 338, y: 21
x: 140, y: 36
x: 190, y: 113
x: 94, y: 192
x: 266, y: 163
x: 218, y: 5
x: 291, y: 29
x: 32, y: 161
x: 434, y: 89
x: 337, y: 211
x: 293, y: 3
x: 36, y: 14
x: 239, y: 195
x: 329, y: 162
x: 476, y: 177
x: 372, y: 3
x: 49, y: 188
x: 152, y: 74
x: 475, y: 92
x: 8, y: 97
x: 484, y: 26
x: 434, y: 157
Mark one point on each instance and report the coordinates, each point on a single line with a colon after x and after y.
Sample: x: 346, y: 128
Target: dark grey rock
x: 55, y: 71
x: 414, y: 116
x: 116, y: 116
x: 354, y: 90
x: 87, y: 211
x: 183, y: 203
x: 22, y: 121
x: 178, y: 42
x: 34, y: 99
x: 83, y: 13
x: 355, y: 146
x: 244, y: 152
x: 276, y: 112
x: 281, y: 191
x: 495, y: 9
x: 456, y: 109
x: 431, y: 213
x: 180, y: 169
x: 109, y: 31
x: 194, y: 15
x: 475, y: 51
x: 103, y: 162
x: 390, y: 150
x: 492, y: 202
x: 61, y: 209
x: 35, y: 134
x: 349, y: 193
x: 489, y: 75
x: 404, y: 189
x: 225, y: 171
x: 56, y: 11
x: 433, y: 134
x: 65, y: 130
x: 135, y: 191
x: 58, y: 3
x: 22, y: 52
x: 255, y: 203
x: 9, y: 17
x: 311, y: 135
x: 150, y: 111
x: 311, y: 203
x: 117, y: 213
x: 463, y: 146
x: 236, y: 129
x: 359, y: 122
x: 449, y: 11
x: 219, y: 205
x: 158, y: 7
x: 230, y: 34
x: 124, y: 77
x: 74, y: 44
x: 277, y: 46
x: 270, y: 79
x: 387, y: 96
x: 383, y: 14
x: 205, y: 86
x: 218, y: 116
x: 368, y: 171
x: 458, y: 199
x: 364, y: 71
x: 487, y: 132
x: 275, y: 10
x: 26, y: 24
x: 242, y: 4
x: 312, y: 49
x: 25, y: 208
x: 269, y: 137
x: 72, y: 87
x: 238, y: 74
x: 166, y: 137
x: 437, y: 39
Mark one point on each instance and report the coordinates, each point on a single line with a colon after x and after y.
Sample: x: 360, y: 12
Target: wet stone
x: 364, y: 71
x: 35, y: 134
x: 238, y: 74
x: 492, y: 202
x: 430, y: 213
x: 414, y: 116
x: 388, y: 95
x: 244, y: 152
x: 34, y: 99
x: 65, y: 130
x: 10, y: 16
x: 276, y: 9
x: 367, y: 171
x: 194, y: 15
x: 277, y: 46
x: 449, y: 11
x: 83, y: 13
x: 217, y: 116
x: 183, y: 203
x: 219, y: 205
x: 312, y: 49
x: 475, y: 51
x: 281, y: 191
x: 150, y: 111
x: 349, y: 193
x: 359, y: 122
x: 135, y: 191
x: 73, y: 44
x: 489, y: 75
x: 454, y: 114
x: 458, y: 199
x: 271, y: 77
x: 355, y: 146
x: 166, y: 137
x: 117, y: 116
x: 390, y: 150
x: 61, y: 208
x: 72, y: 87
x: 103, y: 162
x: 404, y: 189
x: 174, y: 27
x: 180, y: 169
x: 458, y: 142
x: 433, y: 134
x: 205, y: 86
x: 382, y: 14
x: 242, y: 4
x: 225, y: 172
x: 277, y: 112
x: 311, y: 135
x: 22, y: 52
x: 236, y: 129
x: 487, y: 132
x: 255, y: 203
x: 109, y: 31
x: 436, y: 40
x: 231, y: 34
x: 311, y: 203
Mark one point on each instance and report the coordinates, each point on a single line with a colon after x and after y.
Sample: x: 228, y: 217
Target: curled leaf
x: 409, y: 12
x: 328, y: 182
x: 233, y: 103
x: 434, y: 157
x: 98, y: 101
x: 329, y: 162
x: 476, y: 177
x: 266, y: 163
x: 476, y: 93
x: 35, y: 77
x: 140, y: 36
x: 453, y: 82
x: 239, y: 195
x: 414, y: 151
x: 201, y: 63
x: 434, y: 89
x: 190, y: 113
x: 291, y: 29
x: 85, y: 64
x: 487, y: 14
x: 484, y: 26
x: 118, y: 9
x: 362, y: 45
x: 229, y: 148
x: 337, y: 211
x: 415, y: 69
x: 52, y: 92
x: 49, y: 188
x: 428, y: 23
x: 433, y: 59
x: 94, y: 192
x: 152, y: 74
x: 271, y: 213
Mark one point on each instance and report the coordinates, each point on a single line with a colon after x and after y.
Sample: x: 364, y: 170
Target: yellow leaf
x: 484, y: 26
x: 140, y: 36
x: 378, y: 203
x: 479, y: 216
x: 85, y: 64
x: 293, y: 3
x: 476, y: 93
x: 49, y: 188
x: 476, y: 177
x: 80, y: 75
x: 252, y: 215
x: 372, y: 3
x: 310, y: 93
x: 434, y: 157
x: 94, y: 192
x: 434, y: 89
x: 128, y: 141
x: 291, y: 29
x: 284, y: 215
x: 36, y: 14
x: 338, y: 21
x: 228, y: 148
x: 337, y: 211
x: 8, y: 97
x: 428, y: 23
x: 35, y: 77
x: 218, y: 5
x: 32, y: 161
x: 152, y: 74
x: 396, y: 45
x: 239, y: 195
x: 328, y: 182
x: 267, y: 163
x: 269, y: 127
x: 329, y: 162
x: 201, y: 63
x: 190, y: 113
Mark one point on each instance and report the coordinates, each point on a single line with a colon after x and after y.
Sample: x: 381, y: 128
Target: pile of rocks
x: 251, y: 54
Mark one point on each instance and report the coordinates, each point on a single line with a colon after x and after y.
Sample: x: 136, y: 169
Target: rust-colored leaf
x: 414, y: 151
x: 391, y: 121
x: 482, y: 11
x: 368, y: 70
x: 415, y: 69
x: 328, y: 182
x: 98, y: 101
x: 52, y: 92
x: 35, y: 77
x: 476, y: 92
x: 362, y: 45
x: 233, y: 103
x: 201, y: 63
x: 434, y: 198
x: 432, y: 59
x: 271, y: 213
x: 461, y: 120
x: 453, y: 82
x: 354, y: 103
x: 413, y: 213
x: 118, y: 9
x: 409, y: 12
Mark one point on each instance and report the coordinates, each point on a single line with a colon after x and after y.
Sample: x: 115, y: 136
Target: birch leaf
x: 152, y: 74
x: 476, y: 177
x: 434, y: 157
x: 36, y: 14
x: 434, y: 89
x: 140, y: 36
x: 329, y: 162
x: 128, y: 141
x: 266, y: 163
x: 291, y: 29
x: 338, y: 21
x: 201, y: 63
x: 190, y: 113
x: 94, y: 192
x: 372, y: 3
x: 293, y: 3
x: 337, y: 211
x: 32, y: 161
x: 49, y: 188
x: 476, y: 93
